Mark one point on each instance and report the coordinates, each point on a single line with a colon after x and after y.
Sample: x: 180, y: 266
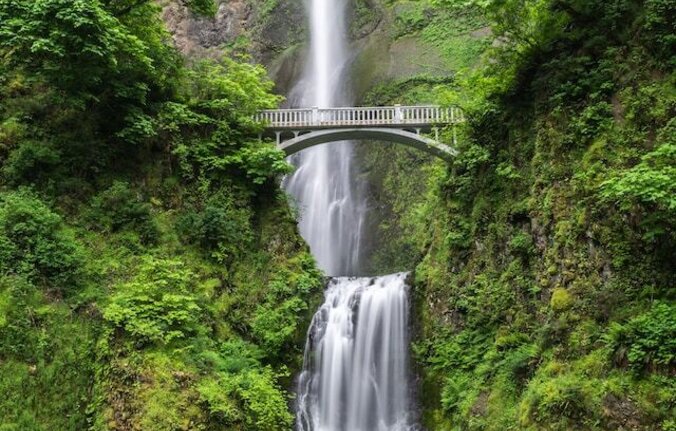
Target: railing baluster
x: 359, y: 116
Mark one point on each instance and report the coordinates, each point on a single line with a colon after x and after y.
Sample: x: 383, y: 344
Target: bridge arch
x: 399, y: 136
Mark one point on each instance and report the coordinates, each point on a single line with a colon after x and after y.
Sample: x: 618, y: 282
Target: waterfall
x: 332, y: 209
x: 355, y: 374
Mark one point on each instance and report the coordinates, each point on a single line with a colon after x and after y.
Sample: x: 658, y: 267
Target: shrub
x: 26, y: 162
x: 222, y: 228
x: 157, y: 306
x: 276, y: 324
x: 651, y: 185
x: 563, y: 402
x: 248, y: 400
x: 647, y: 341
x: 34, y: 242
x: 119, y: 208
x: 263, y: 401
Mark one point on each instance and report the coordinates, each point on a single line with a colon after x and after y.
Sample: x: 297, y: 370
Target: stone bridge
x: 298, y: 129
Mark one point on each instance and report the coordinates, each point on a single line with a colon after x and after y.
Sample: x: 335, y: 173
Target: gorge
x: 164, y: 269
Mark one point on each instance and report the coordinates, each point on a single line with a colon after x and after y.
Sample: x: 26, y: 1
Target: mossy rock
x: 561, y: 300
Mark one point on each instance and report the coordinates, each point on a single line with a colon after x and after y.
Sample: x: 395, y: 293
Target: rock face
x: 199, y: 36
x: 272, y: 32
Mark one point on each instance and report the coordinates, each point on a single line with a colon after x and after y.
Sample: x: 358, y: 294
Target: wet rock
x: 266, y: 33
x: 621, y: 413
x: 480, y: 406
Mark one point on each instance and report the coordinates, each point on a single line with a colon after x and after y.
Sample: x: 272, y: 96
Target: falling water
x: 355, y: 375
x: 332, y: 209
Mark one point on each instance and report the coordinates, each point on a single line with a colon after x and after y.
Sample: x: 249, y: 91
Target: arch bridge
x: 298, y: 129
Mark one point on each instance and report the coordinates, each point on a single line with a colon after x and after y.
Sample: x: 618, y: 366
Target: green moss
x: 561, y: 300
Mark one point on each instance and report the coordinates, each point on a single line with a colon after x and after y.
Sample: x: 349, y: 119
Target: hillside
x: 151, y: 274
x: 545, y: 274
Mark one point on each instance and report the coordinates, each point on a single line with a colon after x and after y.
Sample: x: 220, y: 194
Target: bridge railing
x: 360, y: 116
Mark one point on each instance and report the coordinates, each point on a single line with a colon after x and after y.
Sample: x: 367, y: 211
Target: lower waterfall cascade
x: 356, y: 359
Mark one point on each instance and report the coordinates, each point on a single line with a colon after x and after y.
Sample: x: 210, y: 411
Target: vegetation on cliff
x: 545, y: 285
x: 151, y: 275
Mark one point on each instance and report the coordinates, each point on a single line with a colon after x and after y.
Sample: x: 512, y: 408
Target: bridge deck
x: 337, y: 118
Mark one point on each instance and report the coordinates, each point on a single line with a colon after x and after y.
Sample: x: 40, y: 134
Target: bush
x: 29, y: 161
x: 647, y: 341
x: 562, y: 402
x: 34, y: 243
x: 157, y: 306
x: 222, y: 228
x: 263, y: 402
x: 245, y: 397
x: 119, y: 208
x: 650, y: 185
x: 278, y: 321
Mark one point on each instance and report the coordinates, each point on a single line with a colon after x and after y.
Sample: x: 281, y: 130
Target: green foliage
x: 223, y: 96
x: 45, y: 360
x: 202, y: 7
x: 650, y: 184
x: 457, y: 389
x: 412, y: 17
x: 265, y: 408
x: 35, y: 243
x: 275, y: 322
x: 135, y: 151
x: 28, y: 161
x: 158, y: 306
x: 647, y: 341
x: 561, y: 402
x: 554, y: 220
x: 82, y: 48
x: 221, y: 228
x: 246, y: 394
x: 660, y: 29
x: 119, y: 208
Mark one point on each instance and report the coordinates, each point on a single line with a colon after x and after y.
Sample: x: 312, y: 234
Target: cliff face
x: 272, y: 33
x: 196, y: 35
x: 544, y: 252
x: 386, y: 45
